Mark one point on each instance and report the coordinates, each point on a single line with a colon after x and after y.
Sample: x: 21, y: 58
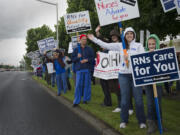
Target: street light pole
x: 54, y: 4
x: 57, y: 25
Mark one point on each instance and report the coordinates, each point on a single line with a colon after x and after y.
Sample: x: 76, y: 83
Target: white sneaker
x: 117, y: 109
x: 122, y: 125
x: 142, y: 125
x: 131, y: 112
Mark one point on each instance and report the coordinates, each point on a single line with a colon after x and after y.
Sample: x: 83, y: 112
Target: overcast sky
x: 16, y: 17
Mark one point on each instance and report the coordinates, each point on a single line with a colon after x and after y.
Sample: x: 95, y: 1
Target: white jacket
x: 134, y: 48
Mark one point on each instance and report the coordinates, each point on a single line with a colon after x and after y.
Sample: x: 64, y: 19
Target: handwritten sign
x: 76, y: 22
x: 35, y: 61
x: 107, y: 65
x: 33, y: 55
x: 168, y: 5
x: 155, y: 67
x: 30, y: 55
x: 37, y: 54
x: 46, y: 44
x: 113, y: 11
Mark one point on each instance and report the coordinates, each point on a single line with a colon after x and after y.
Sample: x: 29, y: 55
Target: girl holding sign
x: 112, y: 85
x: 152, y: 44
x: 125, y: 76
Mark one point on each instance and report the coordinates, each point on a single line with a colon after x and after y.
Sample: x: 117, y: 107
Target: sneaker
x: 117, y: 109
x: 142, y: 125
x: 122, y: 125
x: 131, y: 112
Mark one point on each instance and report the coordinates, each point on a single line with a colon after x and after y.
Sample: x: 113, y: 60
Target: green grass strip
x: 170, y: 107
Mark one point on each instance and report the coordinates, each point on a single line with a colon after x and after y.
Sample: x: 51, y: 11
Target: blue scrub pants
x: 61, y: 82
x: 83, y: 86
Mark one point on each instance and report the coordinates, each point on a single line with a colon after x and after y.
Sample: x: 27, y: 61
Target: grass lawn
x: 170, y: 107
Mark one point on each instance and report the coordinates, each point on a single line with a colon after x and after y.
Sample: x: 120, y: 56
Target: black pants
x: 107, y: 94
x: 68, y: 83
x: 48, y: 78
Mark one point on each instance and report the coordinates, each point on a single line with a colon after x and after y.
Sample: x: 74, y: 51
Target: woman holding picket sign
x: 125, y: 76
x: 59, y: 67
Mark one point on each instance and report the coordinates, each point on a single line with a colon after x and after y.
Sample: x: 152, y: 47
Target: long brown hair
x: 126, y: 42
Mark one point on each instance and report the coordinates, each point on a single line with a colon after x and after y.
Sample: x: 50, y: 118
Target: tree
x: 64, y: 38
x: 152, y: 18
x: 35, y: 34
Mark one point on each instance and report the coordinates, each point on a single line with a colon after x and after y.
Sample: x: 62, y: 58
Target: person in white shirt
x: 125, y: 75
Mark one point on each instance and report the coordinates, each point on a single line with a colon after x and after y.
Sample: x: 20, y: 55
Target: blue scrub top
x: 58, y: 67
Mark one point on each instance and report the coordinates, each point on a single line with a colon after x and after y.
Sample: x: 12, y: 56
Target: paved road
x: 27, y: 109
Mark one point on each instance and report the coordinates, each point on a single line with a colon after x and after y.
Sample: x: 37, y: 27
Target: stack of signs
x: 46, y: 45
x: 155, y: 67
x: 168, y: 5
x: 107, y: 65
x: 76, y: 22
x: 113, y: 11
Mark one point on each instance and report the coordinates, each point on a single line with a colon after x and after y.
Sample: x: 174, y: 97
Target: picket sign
x: 107, y: 65
x: 70, y: 48
x: 50, y: 68
x: 168, y: 5
x: 76, y: 22
x: 46, y: 44
x: 30, y: 55
x: 155, y: 67
x: 113, y: 11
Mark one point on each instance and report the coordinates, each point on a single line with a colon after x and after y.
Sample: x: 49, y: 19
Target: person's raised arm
x: 108, y: 46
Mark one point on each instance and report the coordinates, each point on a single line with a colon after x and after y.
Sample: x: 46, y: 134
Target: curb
x: 100, y: 126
